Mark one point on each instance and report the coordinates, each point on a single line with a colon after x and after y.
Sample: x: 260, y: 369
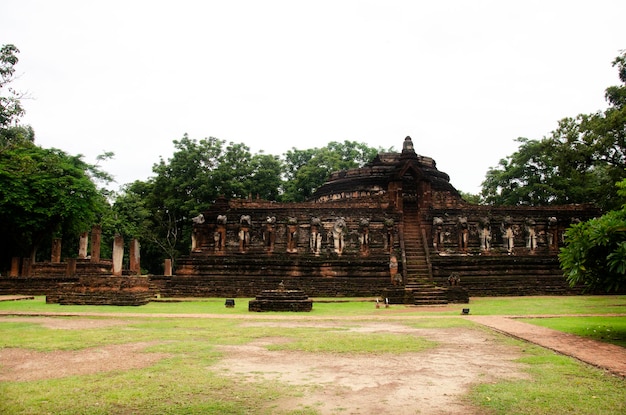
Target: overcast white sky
x: 463, y: 78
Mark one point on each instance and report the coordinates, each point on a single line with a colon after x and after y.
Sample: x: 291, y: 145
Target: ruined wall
x: 39, y: 285
x: 102, y: 290
x: 502, y: 230
x: 334, y: 249
x: 303, y: 229
x: 236, y: 286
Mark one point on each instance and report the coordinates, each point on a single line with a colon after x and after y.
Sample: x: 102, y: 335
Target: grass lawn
x: 184, y: 382
x: 329, y: 307
x: 602, y: 328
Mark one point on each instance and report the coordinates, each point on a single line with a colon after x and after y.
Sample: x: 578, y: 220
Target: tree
x: 595, y: 250
x: 470, y: 198
x: 44, y: 193
x: 159, y: 211
x: 10, y: 105
x: 266, y: 178
x: 17, y: 135
x: 579, y: 162
x: 233, y: 174
x: 306, y: 170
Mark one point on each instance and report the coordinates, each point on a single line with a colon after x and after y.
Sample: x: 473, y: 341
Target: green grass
x: 181, y: 384
x: 602, y: 328
x: 331, y: 307
x: 555, y: 305
x: 558, y: 385
x: 342, y: 342
x: 186, y: 382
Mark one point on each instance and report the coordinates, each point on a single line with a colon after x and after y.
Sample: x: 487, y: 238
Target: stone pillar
x: 82, y: 245
x: 70, y: 270
x: 194, y: 240
x: 15, y: 267
x: 56, y: 250
x: 96, y: 236
x: 167, y: 268
x: 118, y: 255
x: 26, y: 267
x: 135, y: 257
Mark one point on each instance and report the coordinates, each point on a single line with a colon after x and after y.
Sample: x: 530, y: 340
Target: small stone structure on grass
x: 281, y: 300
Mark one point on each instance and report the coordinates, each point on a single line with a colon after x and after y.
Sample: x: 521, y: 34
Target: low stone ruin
x: 103, y: 290
x: 281, y: 300
x: 86, y: 279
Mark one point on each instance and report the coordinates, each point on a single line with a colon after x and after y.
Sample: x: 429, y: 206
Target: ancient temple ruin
x: 395, y: 228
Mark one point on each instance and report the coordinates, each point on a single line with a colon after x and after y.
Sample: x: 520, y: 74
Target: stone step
x: 429, y: 301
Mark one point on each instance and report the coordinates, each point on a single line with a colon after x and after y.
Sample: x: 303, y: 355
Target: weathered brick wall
x: 32, y: 285
x: 376, y: 213
x: 503, y: 275
x: 103, y: 290
x: 245, y: 286
x: 518, y: 218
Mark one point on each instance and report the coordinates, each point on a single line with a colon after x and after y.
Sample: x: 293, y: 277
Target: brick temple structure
x: 84, y: 280
x: 395, y: 228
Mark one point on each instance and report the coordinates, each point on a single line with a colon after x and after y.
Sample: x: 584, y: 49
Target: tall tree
x: 10, y: 106
x: 159, y: 211
x: 44, y: 192
x: 579, y: 162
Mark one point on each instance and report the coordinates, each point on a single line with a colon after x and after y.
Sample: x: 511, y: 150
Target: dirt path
x: 603, y: 355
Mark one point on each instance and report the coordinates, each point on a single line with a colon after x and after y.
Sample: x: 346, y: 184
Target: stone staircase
x: 418, y: 272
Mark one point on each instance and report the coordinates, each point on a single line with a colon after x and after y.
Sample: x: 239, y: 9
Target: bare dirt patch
x: 25, y: 365
x: 429, y: 382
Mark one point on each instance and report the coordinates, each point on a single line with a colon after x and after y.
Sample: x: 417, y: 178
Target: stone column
x: 167, y: 268
x: 82, y: 245
x: 194, y: 240
x: 15, y: 267
x: 70, y: 270
x: 118, y: 255
x: 56, y: 250
x: 135, y: 256
x: 96, y: 236
x: 26, y: 267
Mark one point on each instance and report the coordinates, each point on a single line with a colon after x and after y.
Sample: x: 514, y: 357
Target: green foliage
x: 10, y: 106
x: 15, y: 136
x: 595, y: 252
x: 266, y: 176
x: 308, y: 169
x: 471, y: 198
x: 578, y: 163
x: 44, y: 193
